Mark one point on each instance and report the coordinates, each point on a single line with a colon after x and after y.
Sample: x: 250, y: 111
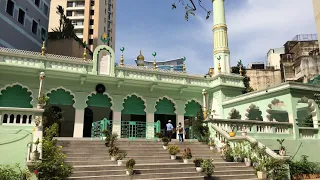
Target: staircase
x: 91, y: 161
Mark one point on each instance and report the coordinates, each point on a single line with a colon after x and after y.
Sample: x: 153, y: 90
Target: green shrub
x: 207, y: 167
x: 187, y: 154
x: 13, y: 173
x: 173, y: 149
x: 198, y: 162
x: 130, y: 164
x: 113, y: 151
x: 165, y: 141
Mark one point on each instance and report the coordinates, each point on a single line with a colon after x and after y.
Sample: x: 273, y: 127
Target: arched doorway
x: 165, y: 111
x: 64, y: 100
x: 192, y: 109
x: 133, y: 118
x: 15, y: 96
x: 98, y: 108
x: 253, y: 113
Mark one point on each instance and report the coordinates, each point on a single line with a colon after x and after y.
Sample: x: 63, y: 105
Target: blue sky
x: 255, y: 26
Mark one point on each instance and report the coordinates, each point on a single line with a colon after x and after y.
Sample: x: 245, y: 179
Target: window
x: 105, y: 11
x: 45, y: 9
x: 21, y: 16
x: 105, y: 20
x: 43, y: 34
x: 34, y: 27
x: 92, y: 3
x: 37, y: 2
x: 69, y: 4
x: 91, y: 31
x: 69, y: 13
x: 90, y: 41
x: 91, y: 22
x: 91, y: 12
x: 10, y: 7
x: 104, y: 29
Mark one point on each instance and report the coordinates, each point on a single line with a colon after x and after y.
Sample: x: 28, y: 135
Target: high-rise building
x: 91, y: 19
x: 316, y: 10
x: 24, y: 24
x: 273, y: 57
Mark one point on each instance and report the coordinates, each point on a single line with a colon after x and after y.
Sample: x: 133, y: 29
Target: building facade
x: 24, y: 24
x: 90, y: 19
x: 261, y: 79
x: 273, y: 57
x: 316, y: 10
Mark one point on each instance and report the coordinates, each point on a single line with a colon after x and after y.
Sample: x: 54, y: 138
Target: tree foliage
x: 200, y: 130
x: 246, y: 79
x: 191, y: 7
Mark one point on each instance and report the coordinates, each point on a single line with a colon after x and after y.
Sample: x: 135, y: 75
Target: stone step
x: 104, y: 177
x: 175, y: 175
x: 99, y: 173
x: 249, y: 176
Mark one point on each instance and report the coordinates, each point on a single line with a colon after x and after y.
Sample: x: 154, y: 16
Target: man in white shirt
x: 169, y: 130
x: 180, y: 132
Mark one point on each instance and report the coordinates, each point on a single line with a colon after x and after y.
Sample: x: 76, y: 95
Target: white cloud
x: 259, y: 25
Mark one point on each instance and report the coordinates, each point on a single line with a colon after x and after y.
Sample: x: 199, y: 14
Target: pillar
x: 180, y: 111
x: 78, y: 122
x: 292, y: 113
x: 220, y: 38
x: 150, y: 126
x: 116, y: 123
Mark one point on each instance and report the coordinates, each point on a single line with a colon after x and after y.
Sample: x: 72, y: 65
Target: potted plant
x: 261, y: 170
x: 211, y: 144
x: 120, y: 158
x: 113, y: 152
x: 34, y: 156
x: 113, y: 139
x: 165, y: 141
x: 186, y: 155
x: 207, y: 167
x: 37, y: 121
x: 107, y: 135
x: 173, y: 151
x: 129, y: 166
x: 247, y: 159
x: 198, y: 162
x: 232, y: 133
x: 159, y: 136
x: 42, y: 100
x: 282, y: 150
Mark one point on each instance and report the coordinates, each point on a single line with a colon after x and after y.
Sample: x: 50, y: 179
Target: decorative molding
x: 274, y: 102
x: 252, y: 106
x: 170, y: 99
x: 129, y: 95
x: 66, y: 90
x: 105, y: 93
x: 193, y: 99
x: 312, y: 106
x: 23, y: 87
x: 233, y: 110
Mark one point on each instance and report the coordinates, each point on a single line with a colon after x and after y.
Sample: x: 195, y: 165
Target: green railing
x: 157, y: 127
x: 133, y: 129
x: 99, y: 126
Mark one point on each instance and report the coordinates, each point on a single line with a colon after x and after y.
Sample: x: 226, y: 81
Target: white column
x: 150, y: 127
x: 78, y: 123
x: 180, y: 119
x: 116, y: 123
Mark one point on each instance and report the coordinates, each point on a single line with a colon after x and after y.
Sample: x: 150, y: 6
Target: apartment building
x: 24, y: 23
x: 91, y: 19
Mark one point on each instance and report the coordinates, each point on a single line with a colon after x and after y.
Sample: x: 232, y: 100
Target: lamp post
x: 204, y: 93
x: 41, y: 78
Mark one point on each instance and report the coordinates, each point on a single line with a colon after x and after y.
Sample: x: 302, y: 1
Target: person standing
x: 169, y: 130
x: 180, y: 132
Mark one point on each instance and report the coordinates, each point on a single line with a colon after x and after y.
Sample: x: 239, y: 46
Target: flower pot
x: 262, y: 174
x: 232, y: 134
x: 129, y: 172
x: 173, y: 156
x: 34, y: 156
x: 113, y: 158
x: 236, y: 159
x: 185, y: 161
x: 165, y: 147
x: 211, y: 148
x: 218, y: 149
x: 120, y: 162
x: 282, y: 152
x: 244, y: 133
x: 199, y: 169
x: 158, y: 139
x: 247, y: 162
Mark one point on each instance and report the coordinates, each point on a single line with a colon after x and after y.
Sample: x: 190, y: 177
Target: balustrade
x: 17, y: 116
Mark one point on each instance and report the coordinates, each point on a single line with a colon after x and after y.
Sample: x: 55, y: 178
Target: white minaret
x: 220, y: 38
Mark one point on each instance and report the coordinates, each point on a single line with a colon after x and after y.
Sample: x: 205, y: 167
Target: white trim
x: 135, y: 94
x: 6, y: 44
x: 66, y: 90
x: 95, y: 92
x: 22, y: 31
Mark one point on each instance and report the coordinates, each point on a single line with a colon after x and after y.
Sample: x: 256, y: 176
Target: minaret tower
x: 221, y: 53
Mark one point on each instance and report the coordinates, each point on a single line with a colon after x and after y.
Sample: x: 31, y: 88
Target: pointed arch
x: 277, y: 106
x: 61, y: 96
x: 192, y: 107
x: 134, y: 104
x: 99, y: 100
x: 165, y: 105
x: 16, y: 95
x: 311, y: 107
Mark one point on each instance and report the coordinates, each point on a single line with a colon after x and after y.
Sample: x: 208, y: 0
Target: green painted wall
x: 15, y: 96
x: 133, y: 105
x: 99, y: 100
x: 192, y: 108
x: 165, y: 106
x: 60, y: 97
x: 13, y: 144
